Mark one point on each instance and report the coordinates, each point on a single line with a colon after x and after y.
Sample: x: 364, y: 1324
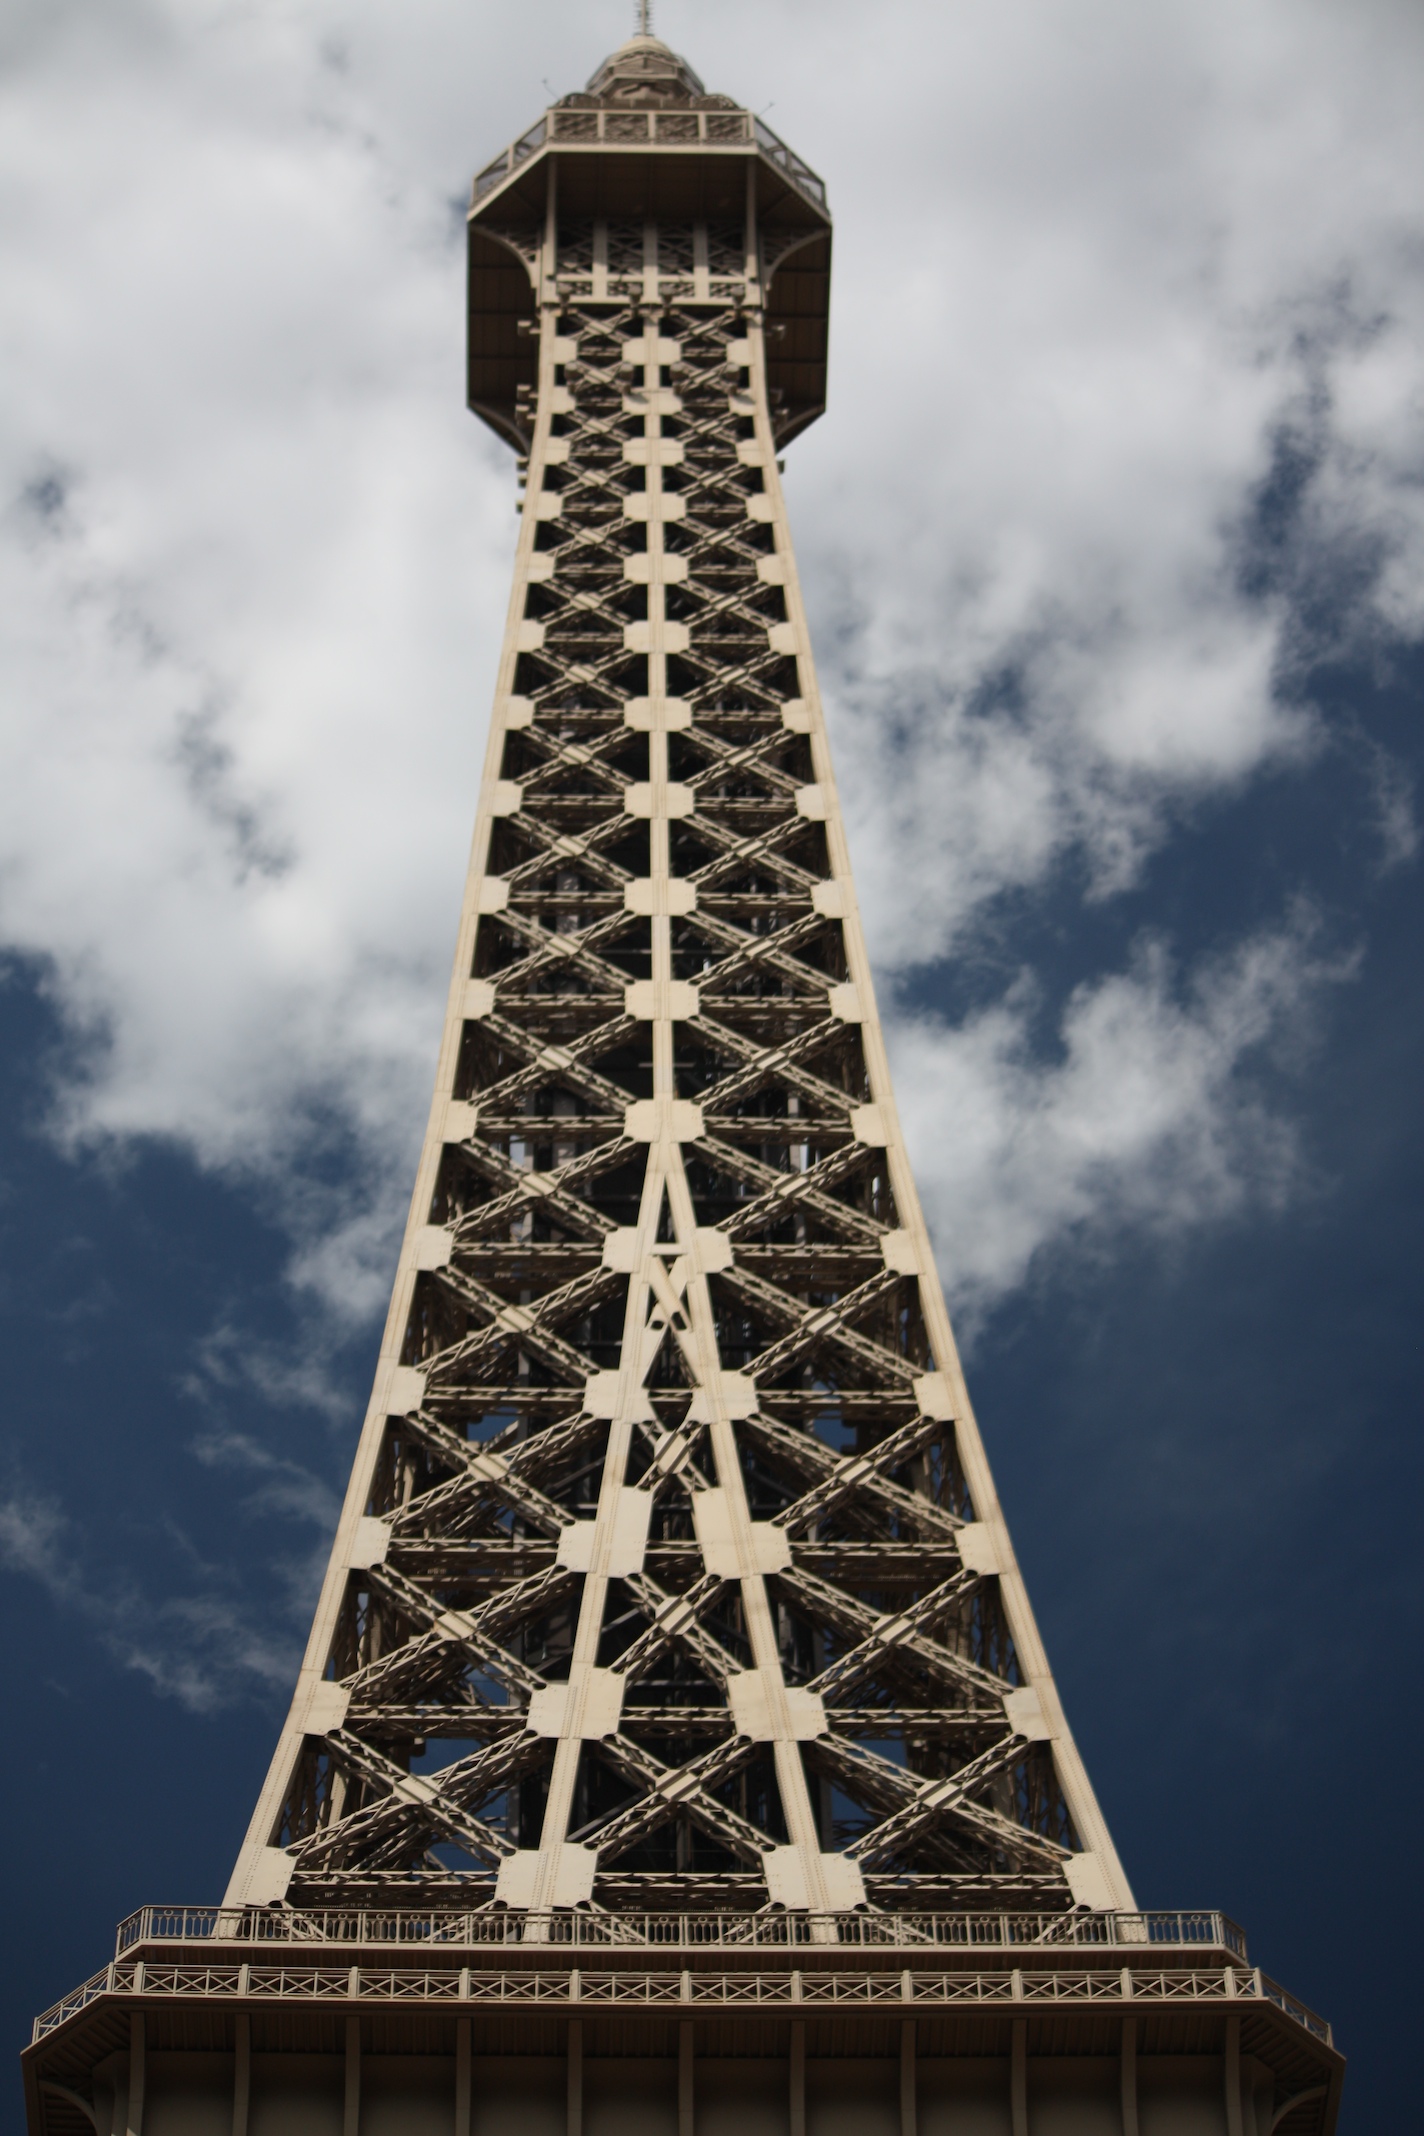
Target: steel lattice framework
x: 674, y: 1734
x: 672, y: 1574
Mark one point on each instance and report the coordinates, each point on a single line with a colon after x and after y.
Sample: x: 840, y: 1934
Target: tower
x: 674, y: 1738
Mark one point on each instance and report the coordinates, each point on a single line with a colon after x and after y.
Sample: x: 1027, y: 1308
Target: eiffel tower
x: 674, y: 1738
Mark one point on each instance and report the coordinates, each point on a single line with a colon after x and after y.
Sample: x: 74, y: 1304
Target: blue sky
x: 1113, y: 539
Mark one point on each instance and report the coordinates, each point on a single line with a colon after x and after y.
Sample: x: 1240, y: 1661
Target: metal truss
x: 672, y: 1573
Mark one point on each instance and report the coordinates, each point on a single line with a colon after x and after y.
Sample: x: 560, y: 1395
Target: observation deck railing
x: 791, y: 1991
x: 675, y: 129
x: 578, y: 1931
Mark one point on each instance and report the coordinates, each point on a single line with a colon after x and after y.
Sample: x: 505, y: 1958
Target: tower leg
x: 1018, y: 2078
x: 575, y: 2108
x: 686, y: 2109
x: 798, y: 2080
x: 462, y: 2077
x: 1233, y: 2076
x: 1129, y: 2076
x: 241, y: 2075
x: 908, y: 2102
x: 137, y: 2047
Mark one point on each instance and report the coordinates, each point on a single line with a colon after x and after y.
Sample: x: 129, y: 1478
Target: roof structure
x: 645, y: 141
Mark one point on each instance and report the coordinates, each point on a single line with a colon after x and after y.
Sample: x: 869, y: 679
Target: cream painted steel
x: 670, y: 1259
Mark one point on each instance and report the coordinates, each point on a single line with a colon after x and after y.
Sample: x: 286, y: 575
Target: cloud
x: 1129, y: 322
x: 200, y: 1648
x: 1391, y: 788
x: 283, y: 1487
x: 1126, y: 433
x: 193, y: 1621
x: 298, y: 1373
x: 236, y: 799
x: 1146, y: 1116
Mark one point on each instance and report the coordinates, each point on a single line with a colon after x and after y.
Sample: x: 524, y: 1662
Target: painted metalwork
x: 672, y: 1575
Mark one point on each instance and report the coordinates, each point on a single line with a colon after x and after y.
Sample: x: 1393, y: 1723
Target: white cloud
x: 200, y: 1647
x: 1108, y: 269
x: 1146, y: 1117
x: 1396, y: 818
x: 1100, y: 271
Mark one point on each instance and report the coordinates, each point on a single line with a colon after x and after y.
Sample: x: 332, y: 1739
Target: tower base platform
x: 269, y: 2023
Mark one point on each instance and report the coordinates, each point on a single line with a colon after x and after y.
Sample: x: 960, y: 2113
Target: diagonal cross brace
x: 765, y: 1065
x: 674, y: 1619
x: 930, y: 1800
x: 830, y: 1323
x: 672, y: 1460
x: 568, y: 1062
x: 881, y: 1637
x: 783, y: 1189
x: 757, y: 853
x: 463, y: 1627
x: 671, y: 1790
x: 549, y: 1188
x: 574, y: 849
x: 908, y: 1625
x: 544, y: 949
x: 504, y: 1612
x: 479, y: 1471
x: 528, y: 1325
x: 851, y: 1471
x: 409, y: 1800
x: 752, y: 953
x: 803, y: 1450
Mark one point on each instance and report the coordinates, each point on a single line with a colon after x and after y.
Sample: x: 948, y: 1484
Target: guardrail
x: 612, y: 127
x: 575, y: 1930
x: 509, y: 160
x: 574, y: 1988
x: 800, y: 174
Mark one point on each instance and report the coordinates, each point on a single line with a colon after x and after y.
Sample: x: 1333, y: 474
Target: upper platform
x: 645, y: 140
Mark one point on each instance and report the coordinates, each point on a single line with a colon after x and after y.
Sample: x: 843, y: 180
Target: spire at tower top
x: 645, y: 70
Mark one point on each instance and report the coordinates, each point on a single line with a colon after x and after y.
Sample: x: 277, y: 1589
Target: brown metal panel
x: 501, y: 359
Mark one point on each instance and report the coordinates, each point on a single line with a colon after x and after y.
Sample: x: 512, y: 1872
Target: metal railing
x: 509, y: 159
x: 1197, y: 1929
x: 575, y: 1988
x: 786, y: 159
x: 1272, y: 1991
x: 612, y: 127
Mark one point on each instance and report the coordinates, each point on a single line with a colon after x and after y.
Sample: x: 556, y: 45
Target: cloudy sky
x: 1114, y: 540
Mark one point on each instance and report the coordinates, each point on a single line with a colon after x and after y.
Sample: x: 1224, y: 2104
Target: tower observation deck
x: 675, y: 1741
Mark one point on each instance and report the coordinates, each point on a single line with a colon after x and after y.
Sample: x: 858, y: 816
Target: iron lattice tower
x: 673, y: 1690
x: 671, y: 1572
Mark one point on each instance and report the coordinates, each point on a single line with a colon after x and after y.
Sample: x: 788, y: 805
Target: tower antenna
x: 645, y: 18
